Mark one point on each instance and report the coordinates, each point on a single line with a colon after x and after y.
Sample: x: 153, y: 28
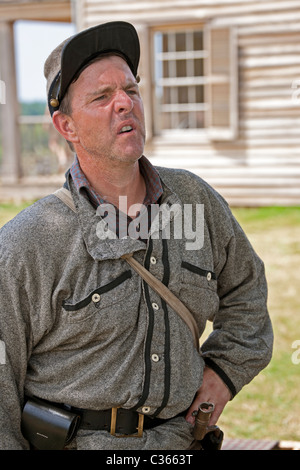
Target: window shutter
x: 2, y: 92
x: 221, y: 87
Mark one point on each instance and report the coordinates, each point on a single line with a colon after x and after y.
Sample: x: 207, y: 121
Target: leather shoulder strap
x: 64, y: 195
x: 166, y: 295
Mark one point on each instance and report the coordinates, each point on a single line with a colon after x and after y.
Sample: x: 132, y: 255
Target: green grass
x: 269, y: 407
x: 268, y: 215
x: 9, y: 210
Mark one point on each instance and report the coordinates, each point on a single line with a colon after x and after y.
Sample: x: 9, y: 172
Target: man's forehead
x: 103, y: 66
x: 103, y: 75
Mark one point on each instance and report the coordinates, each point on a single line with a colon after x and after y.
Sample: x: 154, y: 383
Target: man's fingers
x: 212, y: 390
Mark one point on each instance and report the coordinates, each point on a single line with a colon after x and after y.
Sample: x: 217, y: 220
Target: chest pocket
x: 99, y: 299
x: 198, y: 291
x: 209, y: 275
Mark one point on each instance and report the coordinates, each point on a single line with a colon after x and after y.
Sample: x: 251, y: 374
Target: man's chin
x: 130, y: 153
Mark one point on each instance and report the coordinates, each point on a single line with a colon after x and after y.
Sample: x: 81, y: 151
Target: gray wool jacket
x: 79, y: 326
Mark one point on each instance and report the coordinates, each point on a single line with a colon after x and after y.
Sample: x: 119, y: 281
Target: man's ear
x: 64, y: 124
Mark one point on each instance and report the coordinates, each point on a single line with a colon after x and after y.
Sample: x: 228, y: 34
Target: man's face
x: 107, y: 112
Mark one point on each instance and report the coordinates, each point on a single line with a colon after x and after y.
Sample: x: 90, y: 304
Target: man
x: 82, y: 330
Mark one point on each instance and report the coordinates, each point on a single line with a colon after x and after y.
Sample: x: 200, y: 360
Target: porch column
x: 10, y: 171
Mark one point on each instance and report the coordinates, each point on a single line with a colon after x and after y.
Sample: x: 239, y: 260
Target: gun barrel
x: 202, y: 419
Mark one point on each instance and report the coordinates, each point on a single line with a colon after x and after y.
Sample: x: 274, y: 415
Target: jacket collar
x: 100, y: 240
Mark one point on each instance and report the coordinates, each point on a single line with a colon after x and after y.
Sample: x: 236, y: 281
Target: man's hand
x: 212, y: 390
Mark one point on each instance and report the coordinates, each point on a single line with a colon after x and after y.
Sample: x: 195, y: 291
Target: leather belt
x: 48, y: 425
x: 117, y: 421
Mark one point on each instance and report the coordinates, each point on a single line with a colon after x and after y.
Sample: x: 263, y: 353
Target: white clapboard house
x: 221, y: 86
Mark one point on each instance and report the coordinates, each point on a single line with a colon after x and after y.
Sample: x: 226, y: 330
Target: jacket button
x: 153, y: 260
x: 208, y: 277
x: 96, y: 298
x: 146, y: 409
x: 155, y: 357
x: 155, y: 306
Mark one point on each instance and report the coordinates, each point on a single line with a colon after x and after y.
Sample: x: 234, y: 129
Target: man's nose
x: 123, y: 102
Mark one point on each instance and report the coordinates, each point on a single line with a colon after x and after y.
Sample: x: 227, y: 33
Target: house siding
x: 261, y: 166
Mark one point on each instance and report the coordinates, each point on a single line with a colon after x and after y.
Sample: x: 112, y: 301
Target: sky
x: 34, y: 41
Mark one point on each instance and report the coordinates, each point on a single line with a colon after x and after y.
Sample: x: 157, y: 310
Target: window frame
x: 209, y: 132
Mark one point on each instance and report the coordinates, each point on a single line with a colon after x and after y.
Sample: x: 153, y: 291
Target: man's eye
x: 132, y: 92
x: 101, y: 97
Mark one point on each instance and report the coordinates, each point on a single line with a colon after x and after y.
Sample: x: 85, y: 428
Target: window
x: 195, y: 81
x: 179, y: 79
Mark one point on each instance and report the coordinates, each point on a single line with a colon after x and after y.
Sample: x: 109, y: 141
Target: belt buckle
x: 113, y: 423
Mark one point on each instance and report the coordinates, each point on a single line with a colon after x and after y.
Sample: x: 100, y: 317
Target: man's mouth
x: 126, y: 129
